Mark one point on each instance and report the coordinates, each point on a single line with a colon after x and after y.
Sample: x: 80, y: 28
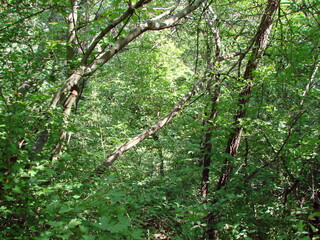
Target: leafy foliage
x: 153, y: 191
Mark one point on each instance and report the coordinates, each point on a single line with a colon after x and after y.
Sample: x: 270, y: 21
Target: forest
x: 159, y: 119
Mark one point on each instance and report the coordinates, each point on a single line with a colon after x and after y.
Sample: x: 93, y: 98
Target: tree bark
x: 91, y: 62
x: 72, y: 21
x: 207, y: 144
x: 87, y: 68
x: 68, y: 104
x: 211, y: 114
x: 259, y: 45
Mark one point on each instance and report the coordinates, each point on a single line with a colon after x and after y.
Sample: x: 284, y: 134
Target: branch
x: 27, y: 17
x: 107, y: 29
x: 310, y: 83
x: 87, y: 70
x: 133, y: 34
x: 294, y: 120
x: 142, y: 136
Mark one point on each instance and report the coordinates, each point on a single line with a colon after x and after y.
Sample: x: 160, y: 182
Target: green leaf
x: 137, y: 234
x: 300, y: 225
x: 313, y: 228
x: 76, y: 196
x: 64, y: 210
x: 115, y: 3
x: 17, y: 189
x: 55, y: 224
x: 123, y: 224
x: 103, y: 223
x: 313, y: 215
x: 88, y: 237
x: 73, y: 223
x: 135, y: 18
x: 115, y: 15
x: 305, y: 238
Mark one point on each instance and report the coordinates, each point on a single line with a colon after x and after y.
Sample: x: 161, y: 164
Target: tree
x: 214, y: 117
x: 95, y: 32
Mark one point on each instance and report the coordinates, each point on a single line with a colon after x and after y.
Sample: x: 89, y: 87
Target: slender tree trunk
x: 68, y: 104
x: 207, y: 144
x: 72, y: 21
x: 160, y: 154
x: 259, y: 45
x: 211, y: 114
x: 70, y: 53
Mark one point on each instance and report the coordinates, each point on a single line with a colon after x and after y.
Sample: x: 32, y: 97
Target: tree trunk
x: 211, y: 114
x: 91, y: 61
x: 160, y: 154
x: 207, y: 144
x: 72, y: 21
x: 259, y: 45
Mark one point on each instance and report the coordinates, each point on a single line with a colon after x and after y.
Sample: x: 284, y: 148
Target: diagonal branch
x: 153, y: 129
x: 108, y: 28
x: 88, y: 70
x: 27, y: 17
x: 135, y: 33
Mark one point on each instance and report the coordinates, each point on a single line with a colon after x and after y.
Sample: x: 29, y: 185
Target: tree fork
x: 88, y: 69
